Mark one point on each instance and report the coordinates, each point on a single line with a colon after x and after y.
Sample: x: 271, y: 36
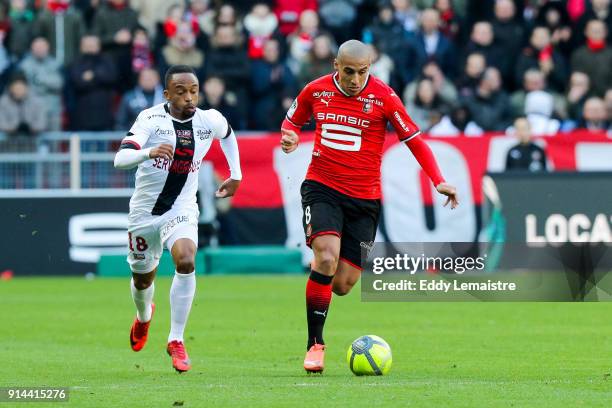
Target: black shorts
x: 328, y: 211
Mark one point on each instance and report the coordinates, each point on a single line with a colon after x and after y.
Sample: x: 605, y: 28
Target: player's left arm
x: 409, y: 134
x: 223, y: 131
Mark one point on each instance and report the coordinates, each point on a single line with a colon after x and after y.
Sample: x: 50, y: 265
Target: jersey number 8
x: 330, y: 138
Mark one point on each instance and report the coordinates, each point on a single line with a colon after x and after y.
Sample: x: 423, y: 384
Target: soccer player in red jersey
x: 341, y: 193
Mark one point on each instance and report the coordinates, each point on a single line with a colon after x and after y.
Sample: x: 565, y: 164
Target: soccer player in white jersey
x: 168, y: 143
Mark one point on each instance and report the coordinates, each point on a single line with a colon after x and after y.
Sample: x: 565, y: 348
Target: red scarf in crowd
x: 57, y: 6
x: 596, y: 46
x: 545, y: 53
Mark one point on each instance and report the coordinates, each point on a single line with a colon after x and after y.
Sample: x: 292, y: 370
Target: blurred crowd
x: 461, y: 66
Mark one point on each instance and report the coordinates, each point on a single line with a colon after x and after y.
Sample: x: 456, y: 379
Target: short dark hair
x: 177, y: 69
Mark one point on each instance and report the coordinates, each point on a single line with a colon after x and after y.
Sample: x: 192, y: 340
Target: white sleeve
x: 128, y: 158
x: 139, y: 132
x: 229, y: 145
x: 219, y: 125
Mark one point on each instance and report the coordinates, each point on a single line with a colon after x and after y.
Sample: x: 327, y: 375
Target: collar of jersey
x: 335, y: 78
x: 175, y: 119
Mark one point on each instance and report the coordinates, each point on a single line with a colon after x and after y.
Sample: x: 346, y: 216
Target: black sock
x: 318, y: 297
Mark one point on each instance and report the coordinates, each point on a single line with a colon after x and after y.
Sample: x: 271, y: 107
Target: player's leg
x: 345, y: 278
x: 360, y: 223
x: 183, y: 247
x: 322, y: 222
x: 144, y: 252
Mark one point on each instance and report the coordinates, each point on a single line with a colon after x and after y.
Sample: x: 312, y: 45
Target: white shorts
x: 147, y: 235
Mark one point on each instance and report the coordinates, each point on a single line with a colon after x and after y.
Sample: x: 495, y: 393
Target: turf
x: 246, y: 338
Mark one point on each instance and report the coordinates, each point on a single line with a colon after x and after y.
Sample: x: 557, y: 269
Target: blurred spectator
x: 608, y: 101
x: 382, y: 65
x: 509, y: 32
x: 442, y: 85
x: 142, y: 56
x: 88, y: 9
x: 214, y: 97
x: 301, y: 40
x: 594, y: 115
x: 595, y: 58
x: 290, y: 11
x: 149, y: 92
x: 151, y: 12
x: 475, y: 65
x: 21, y: 113
x: 260, y: 25
x: 22, y: 21
x: 5, y: 62
x: 44, y: 74
x: 407, y: 14
x: 5, y: 21
x: 526, y: 155
x: 114, y: 24
x: 181, y: 49
x: 168, y: 28
x: 273, y: 87
x: 228, y: 60
x: 385, y: 32
x: 539, y: 107
x: 482, y: 41
x: 450, y: 22
x: 338, y: 17
x: 534, y: 80
x: 226, y: 15
x: 554, y: 16
x: 92, y: 76
x: 578, y: 93
x: 541, y: 55
x: 62, y: 26
x: 489, y: 106
x: 430, y: 45
x: 319, y: 60
x: 200, y: 12
x: 598, y: 10
x: 427, y: 108
x: 457, y: 123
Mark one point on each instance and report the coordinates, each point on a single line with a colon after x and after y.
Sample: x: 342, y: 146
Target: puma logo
x: 326, y: 102
x: 320, y: 313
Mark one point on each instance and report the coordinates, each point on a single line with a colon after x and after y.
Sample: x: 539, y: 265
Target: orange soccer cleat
x: 180, y: 359
x: 314, y: 360
x: 140, y: 332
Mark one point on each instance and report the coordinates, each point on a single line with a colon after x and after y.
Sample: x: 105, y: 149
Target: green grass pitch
x: 246, y: 339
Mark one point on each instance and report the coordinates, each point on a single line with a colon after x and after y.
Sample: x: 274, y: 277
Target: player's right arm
x: 131, y: 153
x: 298, y: 114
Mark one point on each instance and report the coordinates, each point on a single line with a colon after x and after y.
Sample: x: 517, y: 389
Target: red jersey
x: 350, y: 132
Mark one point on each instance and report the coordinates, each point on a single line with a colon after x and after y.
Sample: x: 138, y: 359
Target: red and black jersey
x: 350, y: 132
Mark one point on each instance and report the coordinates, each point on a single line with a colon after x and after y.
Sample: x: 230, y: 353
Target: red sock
x: 318, y: 297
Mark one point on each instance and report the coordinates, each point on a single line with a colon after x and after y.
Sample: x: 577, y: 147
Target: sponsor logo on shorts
x: 139, y: 257
x: 173, y: 223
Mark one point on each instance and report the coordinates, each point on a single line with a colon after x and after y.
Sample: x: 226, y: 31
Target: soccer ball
x: 369, y: 355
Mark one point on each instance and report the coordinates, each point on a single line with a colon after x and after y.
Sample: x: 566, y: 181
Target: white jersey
x: 162, y: 184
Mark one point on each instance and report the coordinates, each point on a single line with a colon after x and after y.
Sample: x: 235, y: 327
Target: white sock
x: 181, y: 296
x: 142, y: 300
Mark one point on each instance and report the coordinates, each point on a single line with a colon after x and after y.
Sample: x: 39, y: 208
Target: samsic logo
x: 559, y: 229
